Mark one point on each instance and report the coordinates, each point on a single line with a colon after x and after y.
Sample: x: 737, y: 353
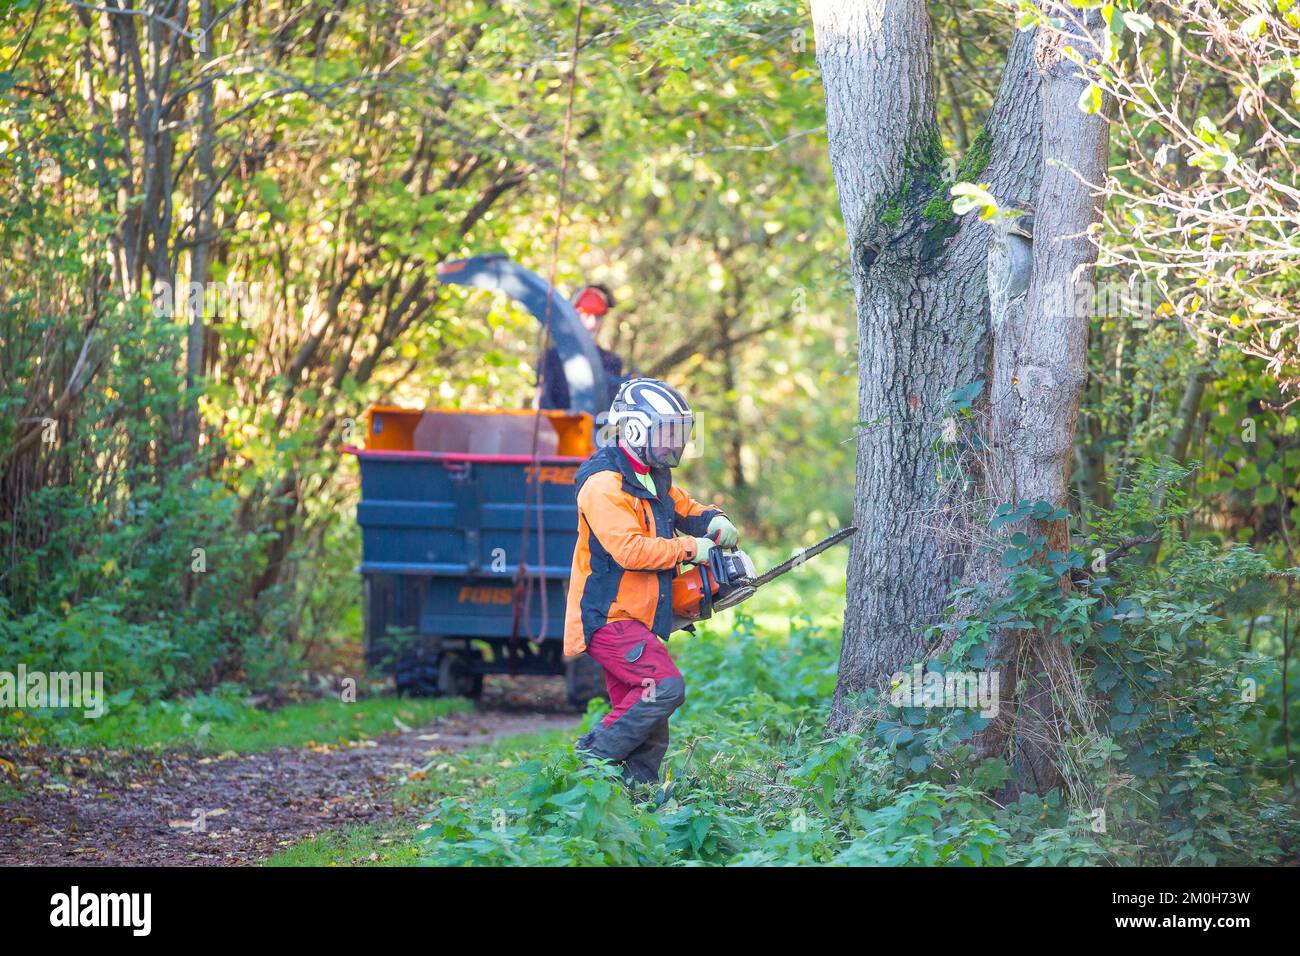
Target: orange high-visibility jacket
x: 627, y: 554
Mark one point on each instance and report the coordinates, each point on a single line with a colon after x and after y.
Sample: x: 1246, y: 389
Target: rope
x: 524, y: 582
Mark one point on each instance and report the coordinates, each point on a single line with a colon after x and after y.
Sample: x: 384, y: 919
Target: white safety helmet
x: 653, y: 420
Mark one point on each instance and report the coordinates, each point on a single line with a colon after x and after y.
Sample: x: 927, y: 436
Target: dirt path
x: 250, y: 805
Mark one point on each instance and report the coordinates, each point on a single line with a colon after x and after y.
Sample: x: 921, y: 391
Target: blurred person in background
x: 592, y: 303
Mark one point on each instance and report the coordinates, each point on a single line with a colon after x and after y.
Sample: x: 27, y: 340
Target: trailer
x: 453, y: 500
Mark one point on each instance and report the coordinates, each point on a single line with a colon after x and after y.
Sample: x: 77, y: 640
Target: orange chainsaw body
x: 689, y: 592
x: 723, y: 582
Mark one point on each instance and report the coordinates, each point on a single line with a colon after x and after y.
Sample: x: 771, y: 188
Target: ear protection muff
x: 593, y: 301
x: 633, y: 426
x: 641, y: 410
x: 634, y: 429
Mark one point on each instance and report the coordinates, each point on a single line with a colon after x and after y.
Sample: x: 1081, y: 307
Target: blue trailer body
x: 457, y: 522
x: 458, y: 514
x: 443, y: 534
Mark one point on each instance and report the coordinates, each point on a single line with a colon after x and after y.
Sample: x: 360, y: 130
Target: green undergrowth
x: 754, y: 780
x: 1169, y: 773
x: 389, y: 844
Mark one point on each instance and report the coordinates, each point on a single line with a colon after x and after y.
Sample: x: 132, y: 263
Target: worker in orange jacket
x: 634, y: 529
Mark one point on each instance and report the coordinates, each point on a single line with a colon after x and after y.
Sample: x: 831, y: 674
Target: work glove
x: 702, y: 548
x: 723, y: 531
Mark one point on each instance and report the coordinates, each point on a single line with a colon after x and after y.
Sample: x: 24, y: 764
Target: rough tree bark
x: 1037, y: 373
x: 920, y: 288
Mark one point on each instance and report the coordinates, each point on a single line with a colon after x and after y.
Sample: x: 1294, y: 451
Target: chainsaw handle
x: 718, y: 566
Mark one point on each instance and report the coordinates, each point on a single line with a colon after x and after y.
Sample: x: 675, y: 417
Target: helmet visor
x: 669, y: 436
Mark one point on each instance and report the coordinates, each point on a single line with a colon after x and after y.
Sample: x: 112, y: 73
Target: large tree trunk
x: 940, y: 305
x: 1036, y: 383
x: 921, y: 294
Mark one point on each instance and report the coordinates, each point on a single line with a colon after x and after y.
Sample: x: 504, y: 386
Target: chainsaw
x: 728, y: 577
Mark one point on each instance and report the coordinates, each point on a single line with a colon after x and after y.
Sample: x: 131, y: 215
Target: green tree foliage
x: 353, y: 147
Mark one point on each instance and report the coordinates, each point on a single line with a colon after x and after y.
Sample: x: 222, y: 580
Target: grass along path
x: 394, y: 842
x: 218, y: 723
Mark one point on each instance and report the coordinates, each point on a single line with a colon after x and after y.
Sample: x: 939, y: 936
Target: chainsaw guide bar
x: 799, y: 557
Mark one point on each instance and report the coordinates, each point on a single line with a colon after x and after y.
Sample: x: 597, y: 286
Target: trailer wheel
x: 416, y: 673
x: 584, y: 680
x: 455, y: 676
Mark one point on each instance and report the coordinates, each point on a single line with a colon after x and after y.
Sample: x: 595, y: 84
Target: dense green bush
x: 121, y: 596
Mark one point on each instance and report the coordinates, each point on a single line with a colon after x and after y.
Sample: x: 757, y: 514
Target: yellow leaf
x: 1090, y: 100
x: 1253, y: 27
